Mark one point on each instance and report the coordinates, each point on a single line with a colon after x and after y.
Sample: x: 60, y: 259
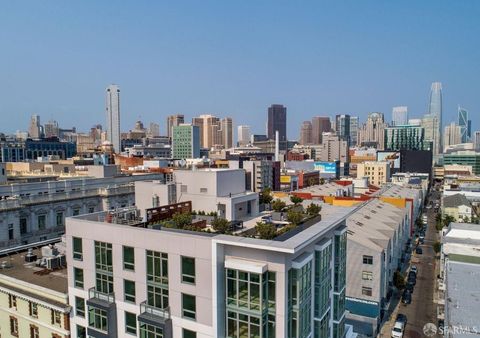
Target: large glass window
x: 60, y: 219
x: 81, y: 332
x: 150, y: 331
x: 241, y: 325
x: 42, y: 222
x: 128, y: 258
x: 157, y: 296
x: 189, y: 334
x: 104, y: 282
x: 188, y: 270
x: 77, y: 248
x: 323, y: 280
x: 79, y: 306
x: 243, y: 289
x: 103, y: 256
x: 157, y: 267
x: 78, y: 277
x: 97, y: 318
x: 129, y: 290
x: 367, y: 259
x: 299, y: 301
x: 189, y: 306
x: 130, y: 323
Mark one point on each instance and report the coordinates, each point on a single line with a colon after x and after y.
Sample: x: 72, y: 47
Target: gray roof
x: 454, y: 201
x: 463, y: 296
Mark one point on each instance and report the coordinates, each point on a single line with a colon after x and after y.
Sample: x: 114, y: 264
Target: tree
x: 398, y: 280
x: 181, y: 220
x: 266, y: 196
x: 220, y: 225
x: 437, y: 246
x: 278, y: 205
x: 296, y: 200
x: 294, y: 217
x: 313, y: 209
x: 266, y: 230
x: 447, y: 220
x: 419, y: 223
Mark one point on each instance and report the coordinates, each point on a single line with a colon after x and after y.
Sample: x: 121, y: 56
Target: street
x: 422, y: 309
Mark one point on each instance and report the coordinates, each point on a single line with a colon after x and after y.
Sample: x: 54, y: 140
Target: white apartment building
x: 136, y: 281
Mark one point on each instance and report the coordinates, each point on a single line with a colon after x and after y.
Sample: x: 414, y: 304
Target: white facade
x: 243, y: 135
x: 399, y: 116
x: 113, y: 116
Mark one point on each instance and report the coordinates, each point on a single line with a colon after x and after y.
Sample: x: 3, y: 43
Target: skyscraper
x: 353, y: 130
x: 399, y: 116
x: 306, y: 133
x: 113, y: 116
x: 320, y: 125
x: 464, y: 124
x: 154, y: 129
x: 185, y: 141
x: 476, y: 138
x: 342, y: 126
x: 453, y: 135
x: 435, y: 110
x: 277, y: 121
x: 243, y: 135
x: 34, y: 129
x: 51, y: 129
x: 372, y: 131
x: 226, y: 128
x: 172, y: 121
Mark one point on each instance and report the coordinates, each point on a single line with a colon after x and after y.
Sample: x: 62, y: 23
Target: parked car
x: 422, y: 239
x: 418, y: 250
x: 412, y: 274
x: 409, y: 287
x: 401, y: 318
x: 412, y: 280
x: 398, y: 329
x: 406, y: 297
x: 413, y: 268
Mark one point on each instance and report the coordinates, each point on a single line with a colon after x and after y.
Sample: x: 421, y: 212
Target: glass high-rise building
x: 464, y: 124
x: 435, y: 110
x: 113, y: 116
x: 185, y: 141
x: 277, y: 121
x: 399, y: 116
x: 342, y: 126
x: 406, y: 138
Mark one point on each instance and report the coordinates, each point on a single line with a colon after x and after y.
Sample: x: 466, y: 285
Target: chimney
x: 277, y: 146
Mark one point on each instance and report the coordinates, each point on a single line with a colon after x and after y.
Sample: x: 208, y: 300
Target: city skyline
x: 242, y: 78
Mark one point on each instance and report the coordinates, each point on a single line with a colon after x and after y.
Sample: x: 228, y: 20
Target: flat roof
x: 29, y: 273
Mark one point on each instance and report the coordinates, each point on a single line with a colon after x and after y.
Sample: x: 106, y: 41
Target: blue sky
x: 235, y: 58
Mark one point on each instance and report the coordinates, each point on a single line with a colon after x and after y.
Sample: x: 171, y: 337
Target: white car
x: 398, y: 329
x: 413, y: 268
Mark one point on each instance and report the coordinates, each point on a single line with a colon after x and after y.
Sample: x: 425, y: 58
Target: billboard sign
x: 326, y: 167
x: 390, y: 156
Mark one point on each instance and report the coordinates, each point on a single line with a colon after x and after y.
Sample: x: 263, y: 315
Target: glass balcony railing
x: 106, y: 297
x: 163, y: 313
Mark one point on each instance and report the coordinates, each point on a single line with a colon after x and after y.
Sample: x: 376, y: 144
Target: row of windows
x: 56, y: 316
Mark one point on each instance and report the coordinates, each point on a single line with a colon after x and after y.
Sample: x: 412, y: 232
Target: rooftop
x: 454, y: 201
x: 28, y: 272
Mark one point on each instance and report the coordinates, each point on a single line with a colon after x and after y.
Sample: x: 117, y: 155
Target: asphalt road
x: 422, y: 309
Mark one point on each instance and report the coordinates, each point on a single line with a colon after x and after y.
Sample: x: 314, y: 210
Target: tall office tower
x: 342, y: 126
x: 453, y: 135
x: 243, y: 135
x: 333, y: 148
x: 34, y: 129
x: 464, y: 124
x: 154, y: 129
x: 209, y: 129
x: 320, y: 124
x: 406, y: 137
x: 306, y: 133
x: 174, y: 120
x: 185, y: 141
x: 354, y: 122
x: 113, y: 116
x: 277, y: 121
x: 476, y: 139
x: 435, y: 110
x: 51, y: 129
x: 372, y: 132
x: 399, y: 116
x: 226, y: 128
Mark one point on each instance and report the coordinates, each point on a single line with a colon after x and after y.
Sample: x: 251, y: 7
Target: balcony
x: 157, y: 317
x: 106, y: 297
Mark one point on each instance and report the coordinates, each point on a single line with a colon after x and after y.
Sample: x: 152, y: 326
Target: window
x: 91, y: 210
x: 104, y: 282
x: 76, y: 212
x: 81, y: 332
x: 366, y: 291
x: 129, y: 290
x: 34, y: 332
x: 367, y: 275
x: 77, y: 248
x: 60, y: 219
x: 12, y: 301
x: 97, y: 318
x: 23, y: 226
x: 150, y: 331
x: 80, y: 306
x: 188, y: 306
x: 42, y: 221
x: 103, y: 256
x: 188, y: 270
x: 203, y: 190
x: 130, y: 323
x: 128, y: 258
x: 78, y: 277
x: 33, y: 309
x: 157, y: 267
x: 10, y: 231
x: 13, y: 326
x: 189, y: 334
x: 183, y: 188
x: 56, y: 318
x: 367, y: 259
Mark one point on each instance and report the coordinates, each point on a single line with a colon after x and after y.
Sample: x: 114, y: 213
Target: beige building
x: 214, y: 132
x: 378, y: 173
x: 372, y: 132
x: 33, y: 299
